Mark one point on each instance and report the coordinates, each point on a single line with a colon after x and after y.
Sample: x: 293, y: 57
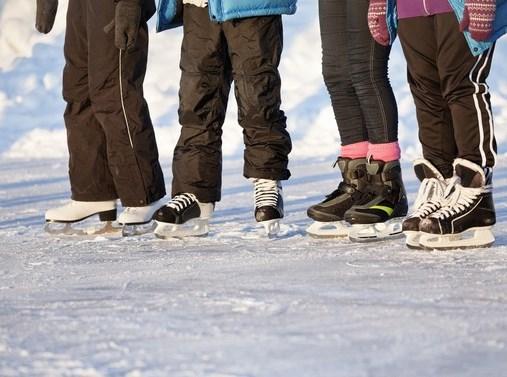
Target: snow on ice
x: 235, y: 303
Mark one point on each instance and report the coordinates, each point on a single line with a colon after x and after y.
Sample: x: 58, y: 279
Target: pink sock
x: 356, y: 150
x: 385, y: 152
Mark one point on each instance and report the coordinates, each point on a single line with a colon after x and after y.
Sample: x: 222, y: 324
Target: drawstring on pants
x: 123, y: 102
x: 127, y: 125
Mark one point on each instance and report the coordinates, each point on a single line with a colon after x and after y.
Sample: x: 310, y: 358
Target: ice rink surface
x: 235, y: 303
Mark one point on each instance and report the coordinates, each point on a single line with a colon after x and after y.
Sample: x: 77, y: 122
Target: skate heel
x: 108, y: 215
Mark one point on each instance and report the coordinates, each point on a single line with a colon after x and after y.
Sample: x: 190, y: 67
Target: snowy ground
x: 236, y: 304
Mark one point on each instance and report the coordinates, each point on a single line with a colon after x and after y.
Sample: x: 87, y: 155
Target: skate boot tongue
x: 374, y: 167
x: 383, y: 176
x: 353, y: 172
x: 471, y: 175
x: 424, y: 169
x: 386, y: 171
x: 349, y: 166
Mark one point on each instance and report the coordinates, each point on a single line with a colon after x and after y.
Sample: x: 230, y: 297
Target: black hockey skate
x: 268, y: 205
x: 353, y: 190
x: 381, y: 217
x: 183, y: 216
x: 468, y: 215
x: 430, y: 198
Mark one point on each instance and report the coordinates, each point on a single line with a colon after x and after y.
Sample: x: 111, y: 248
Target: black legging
x: 355, y: 72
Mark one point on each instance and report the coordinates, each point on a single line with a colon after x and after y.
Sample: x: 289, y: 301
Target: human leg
x: 204, y: 89
x: 115, y: 84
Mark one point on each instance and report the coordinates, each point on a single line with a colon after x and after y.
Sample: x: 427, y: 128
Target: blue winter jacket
x: 224, y: 10
x: 477, y: 48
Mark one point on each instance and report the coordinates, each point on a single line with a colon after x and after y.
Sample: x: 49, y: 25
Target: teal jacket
x: 170, y: 11
x: 477, y: 48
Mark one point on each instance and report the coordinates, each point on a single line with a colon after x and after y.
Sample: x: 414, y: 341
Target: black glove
x: 127, y: 21
x: 46, y: 13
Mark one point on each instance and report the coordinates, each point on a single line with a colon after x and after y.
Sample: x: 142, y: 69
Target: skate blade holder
x: 470, y: 239
x: 413, y: 239
x: 271, y: 227
x: 335, y: 229
x: 56, y: 228
x: 376, y: 232
x: 195, y: 228
x: 132, y: 230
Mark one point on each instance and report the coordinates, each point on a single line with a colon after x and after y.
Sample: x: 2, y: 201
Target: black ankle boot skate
x: 381, y: 217
x: 353, y: 190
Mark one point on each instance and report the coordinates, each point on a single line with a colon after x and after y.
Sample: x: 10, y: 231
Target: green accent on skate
x: 387, y: 210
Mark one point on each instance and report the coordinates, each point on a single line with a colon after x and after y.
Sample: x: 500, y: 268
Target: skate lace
x: 266, y: 192
x: 430, y: 197
x: 459, y: 198
x: 181, y: 201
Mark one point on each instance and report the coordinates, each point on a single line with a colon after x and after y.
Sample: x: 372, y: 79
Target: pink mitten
x: 377, y: 21
x: 478, y: 18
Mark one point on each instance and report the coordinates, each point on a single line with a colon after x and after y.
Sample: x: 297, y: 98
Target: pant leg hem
x: 152, y: 198
x: 93, y: 198
x: 275, y: 175
x: 203, y: 196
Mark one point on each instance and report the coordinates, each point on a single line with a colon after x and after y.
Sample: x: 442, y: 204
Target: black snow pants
x: 450, y: 92
x: 213, y: 55
x: 112, y: 146
x: 355, y: 70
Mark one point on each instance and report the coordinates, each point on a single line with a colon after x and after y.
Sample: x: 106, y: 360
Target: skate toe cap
x: 49, y: 215
x: 411, y: 224
x: 430, y: 225
x: 319, y: 213
x: 267, y: 213
x: 56, y: 215
x: 165, y: 215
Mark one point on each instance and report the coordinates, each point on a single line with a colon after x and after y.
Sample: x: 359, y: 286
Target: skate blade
x: 413, y: 240
x: 138, y: 229
x: 55, y: 228
x: 473, y: 238
x: 196, y: 228
x: 271, y: 227
x: 336, y: 229
x: 388, y: 230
